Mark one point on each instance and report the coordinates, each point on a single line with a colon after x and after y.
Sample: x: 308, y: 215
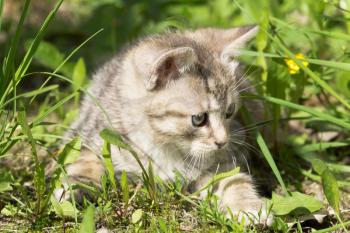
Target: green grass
x: 44, y: 73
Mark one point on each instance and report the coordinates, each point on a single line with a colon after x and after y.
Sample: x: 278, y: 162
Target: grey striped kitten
x: 173, y: 98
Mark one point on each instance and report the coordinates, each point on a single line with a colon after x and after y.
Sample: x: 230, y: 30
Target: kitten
x: 173, y: 98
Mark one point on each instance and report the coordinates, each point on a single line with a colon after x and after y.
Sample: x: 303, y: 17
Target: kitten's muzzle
x: 220, y: 144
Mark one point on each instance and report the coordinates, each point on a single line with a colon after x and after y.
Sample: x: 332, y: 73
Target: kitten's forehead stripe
x: 168, y: 114
x: 213, y: 104
x: 218, y: 92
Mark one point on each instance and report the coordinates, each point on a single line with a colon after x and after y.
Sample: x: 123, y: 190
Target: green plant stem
x: 317, y: 178
x: 265, y: 151
x: 333, y: 228
x: 321, y: 115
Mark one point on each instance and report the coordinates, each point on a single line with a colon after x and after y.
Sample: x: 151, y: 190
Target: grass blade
x: 332, y: 64
x: 312, y: 176
x: 125, y: 188
x: 216, y: 179
x: 41, y: 117
x: 331, y: 190
x: 265, y: 151
x: 333, y: 228
x: 106, y: 153
x: 39, y: 174
x: 335, y: 35
x: 34, y: 45
x: 88, y: 224
x: 151, y: 184
x: 323, y: 146
x: 315, y: 113
x: 115, y: 139
x: 65, y: 60
x: 30, y: 94
x: 8, y: 63
x: 26, y: 131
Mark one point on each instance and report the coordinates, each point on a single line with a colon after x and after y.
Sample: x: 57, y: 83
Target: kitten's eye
x: 199, y: 120
x: 230, y: 110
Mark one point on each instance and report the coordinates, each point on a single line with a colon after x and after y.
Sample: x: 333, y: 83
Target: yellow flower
x: 292, y: 66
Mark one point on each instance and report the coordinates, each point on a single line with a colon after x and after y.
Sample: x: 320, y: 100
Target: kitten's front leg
x: 238, y: 194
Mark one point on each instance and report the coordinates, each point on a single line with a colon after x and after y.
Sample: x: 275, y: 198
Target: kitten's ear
x: 169, y: 66
x: 240, y: 36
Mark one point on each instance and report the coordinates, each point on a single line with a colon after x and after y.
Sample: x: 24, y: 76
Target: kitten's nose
x: 220, y: 144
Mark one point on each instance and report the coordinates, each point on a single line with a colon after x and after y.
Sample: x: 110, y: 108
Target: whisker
x: 246, y: 162
x: 234, y: 161
x: 245, y: 145
x: 194, y: 163
x: 245, y: 74
x: 249, y: 87
x: 200, y: 161
x: 246, y: 129
x: 241, y: 80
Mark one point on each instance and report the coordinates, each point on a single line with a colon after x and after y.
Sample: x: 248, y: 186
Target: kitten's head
x: 193, y: 88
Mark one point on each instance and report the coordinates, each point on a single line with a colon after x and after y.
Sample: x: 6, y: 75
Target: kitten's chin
x: 198, y: 148
x: 202, y: 151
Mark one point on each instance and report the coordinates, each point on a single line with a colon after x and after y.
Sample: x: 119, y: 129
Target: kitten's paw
x: 240, y: 199
x: 252, y: 216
